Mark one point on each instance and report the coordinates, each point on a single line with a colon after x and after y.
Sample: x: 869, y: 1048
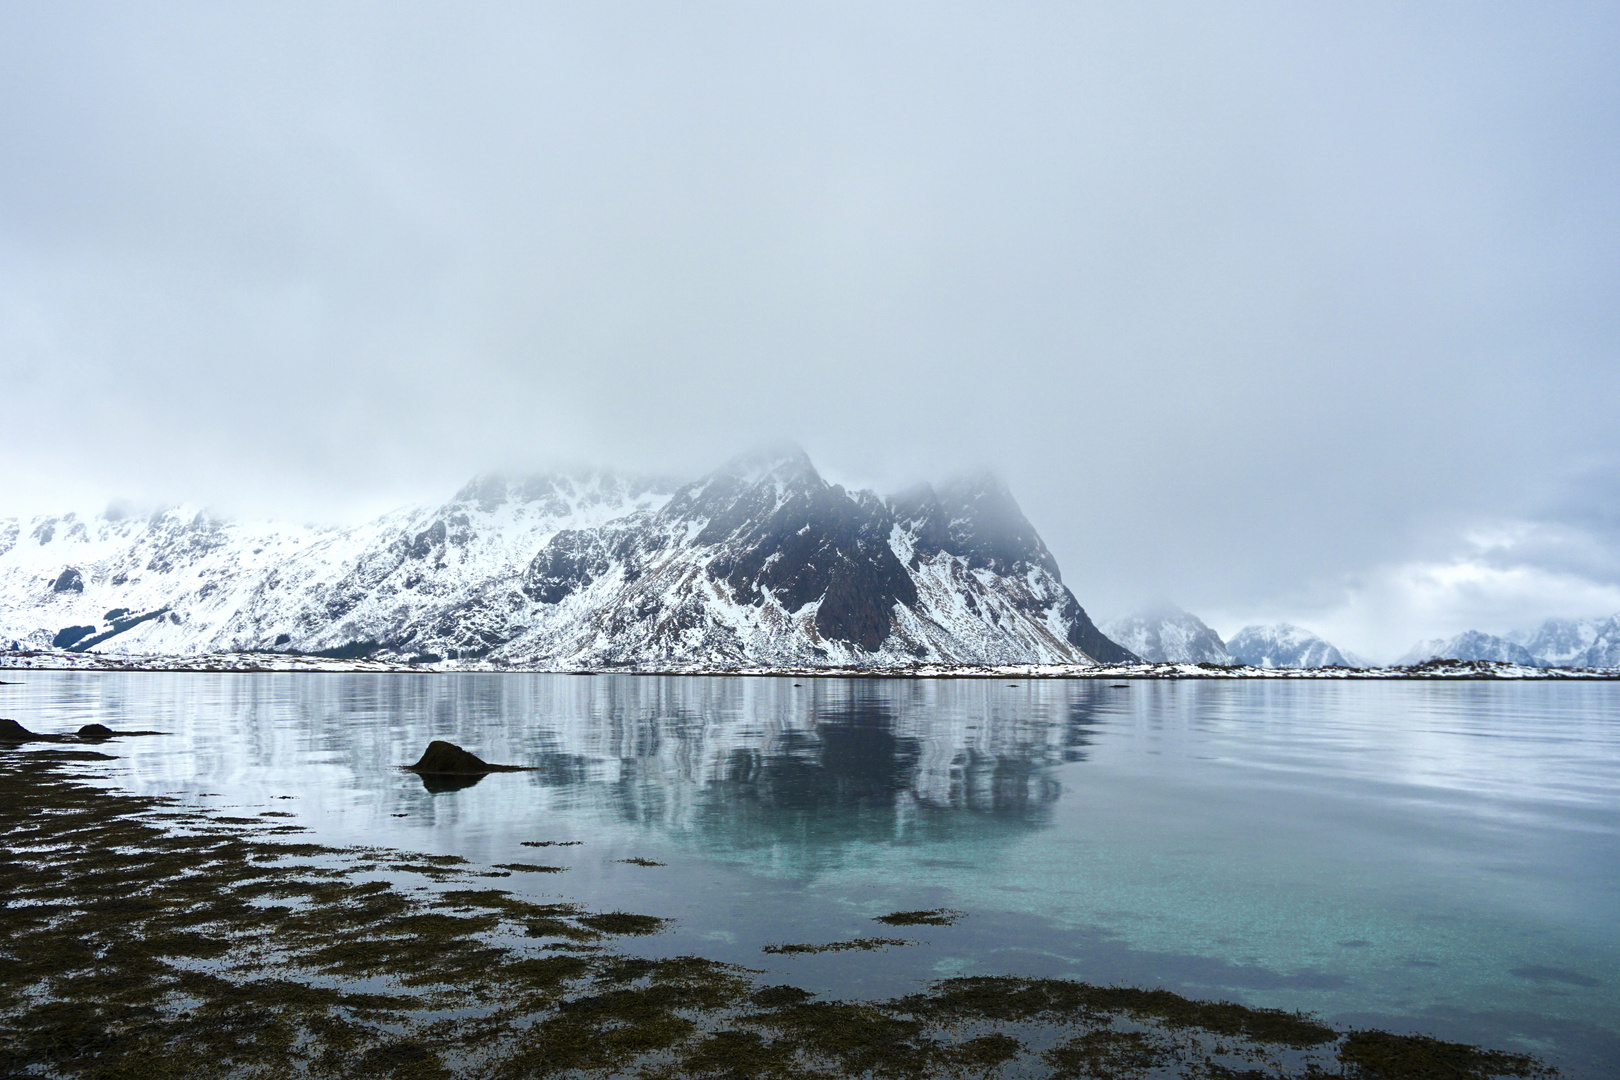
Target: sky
x: 1277, y: 311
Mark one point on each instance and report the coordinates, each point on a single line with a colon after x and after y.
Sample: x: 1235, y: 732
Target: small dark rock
x: 447, y: 759
x: 96, y: 731
x: 69, y: 581
x: 11, y: 731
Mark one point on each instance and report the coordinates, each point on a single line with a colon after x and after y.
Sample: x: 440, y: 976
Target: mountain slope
x: 1168, y: 635
x: 760, y: 562
x: 390, y: 582
x: 153, y: 583
x: 1283, y: 645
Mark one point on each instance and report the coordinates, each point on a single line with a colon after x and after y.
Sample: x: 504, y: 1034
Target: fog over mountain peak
x: 1163, y: 633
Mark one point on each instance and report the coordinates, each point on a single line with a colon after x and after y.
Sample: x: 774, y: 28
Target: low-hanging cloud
x: 1252, y: 305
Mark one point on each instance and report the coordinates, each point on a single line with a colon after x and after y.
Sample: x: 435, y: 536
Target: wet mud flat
x: 144, y: 937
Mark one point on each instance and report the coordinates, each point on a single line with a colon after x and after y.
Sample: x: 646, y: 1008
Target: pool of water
x: 1417, y: 856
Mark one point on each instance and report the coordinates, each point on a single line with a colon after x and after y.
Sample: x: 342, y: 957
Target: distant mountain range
x: 1165, y: 634
x: 760, y: 562
x: 1555, y: 643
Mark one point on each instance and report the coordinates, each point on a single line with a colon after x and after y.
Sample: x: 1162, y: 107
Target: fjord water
x: 1439, y: 857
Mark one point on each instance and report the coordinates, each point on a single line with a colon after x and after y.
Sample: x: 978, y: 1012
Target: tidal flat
x: 147, y: 936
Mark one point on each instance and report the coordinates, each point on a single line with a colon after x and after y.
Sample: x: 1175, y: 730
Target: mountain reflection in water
x: 846, y: 772
x: 716, y: 763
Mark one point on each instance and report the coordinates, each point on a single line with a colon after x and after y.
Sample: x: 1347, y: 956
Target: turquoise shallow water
x: 1420, y: 856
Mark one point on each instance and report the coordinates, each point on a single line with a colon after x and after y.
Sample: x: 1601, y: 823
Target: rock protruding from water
x: 96, y: 731
x: 447, y: 759
x: 11, y: 731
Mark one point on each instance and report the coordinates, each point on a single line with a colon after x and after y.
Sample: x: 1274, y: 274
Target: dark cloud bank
x: 1282, y: 311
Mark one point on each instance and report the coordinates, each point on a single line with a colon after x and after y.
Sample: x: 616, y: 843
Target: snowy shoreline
x: 286, y: 663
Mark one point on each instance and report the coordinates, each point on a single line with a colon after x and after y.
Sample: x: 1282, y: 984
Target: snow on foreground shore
x: 61, y: 660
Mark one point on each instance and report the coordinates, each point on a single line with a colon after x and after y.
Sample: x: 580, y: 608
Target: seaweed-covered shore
x: 142, y: 937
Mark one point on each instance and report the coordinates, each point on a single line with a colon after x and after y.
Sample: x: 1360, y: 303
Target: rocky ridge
x: 760, y: 562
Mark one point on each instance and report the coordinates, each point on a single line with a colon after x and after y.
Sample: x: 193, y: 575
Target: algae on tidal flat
x: 142, y: 936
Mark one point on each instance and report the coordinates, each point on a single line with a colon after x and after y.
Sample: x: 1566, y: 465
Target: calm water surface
x: 1420, y: 856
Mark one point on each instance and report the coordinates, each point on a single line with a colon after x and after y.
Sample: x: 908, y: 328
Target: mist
x: 1279, y: 311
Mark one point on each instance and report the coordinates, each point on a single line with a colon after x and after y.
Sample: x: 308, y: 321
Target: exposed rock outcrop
x: 447, y: 759
x: 11, y: 731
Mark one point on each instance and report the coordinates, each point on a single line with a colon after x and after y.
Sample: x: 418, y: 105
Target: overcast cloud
x: 1281, y: 311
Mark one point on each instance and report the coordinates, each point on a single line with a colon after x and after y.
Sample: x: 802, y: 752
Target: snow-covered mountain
x: 1469, y: 645
x: 160, y: 582
x: 1165, y: 634
x: 1573, y: 642
x: 761, y: 562
x: 1284, y: 645
x: 1555, y: 643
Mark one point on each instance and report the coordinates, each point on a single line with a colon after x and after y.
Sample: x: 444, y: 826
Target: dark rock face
x: 570, y: 562
x: 68, y: 636
x: 758, y: 527
x: 75, y: 638
x: 805, y: 541
x: 96, y: 731
x: 1084, y: 635
x: 976, y: 519
x: 70, y: 580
